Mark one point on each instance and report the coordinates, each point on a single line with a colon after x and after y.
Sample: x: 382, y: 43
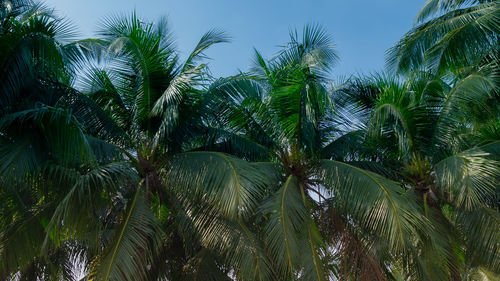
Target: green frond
x: 314, y: 49
x: 204, y: 267
x: 232, y: 184
x: 298, y: 104
x: 233, y: 240
x: 220, y: 140
x: 236, y: 103
x: 374, y: 202
x: 208, y: 39
x: 458, y: 38
x: 291, y: 235
x: 433, y: 7
x: 21, y: 240
x: 287, y: 217
x: 475, y: 90
x: 481, y: 230
x: 132, y: 247
x: 90, y: 192
x: 394, y: 110
x: 312, y: 262
x: 468, y: 179
x: 62, y: 134
x: 95, y: 120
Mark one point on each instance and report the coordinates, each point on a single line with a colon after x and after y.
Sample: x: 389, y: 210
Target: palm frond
x: 208, y: 39
x: 475, y: 90
x: 374, y: 202
x: 60, y: 128
x: 132, y: 247
x: 233, y: 240
x: 234, y: 185
x: 433, y: 7
x: 481, y: 229
x: 469, y: 178
x: 314, y: 49
x: 287, y: 218
x: 90, y: 190
x: 458, y: 38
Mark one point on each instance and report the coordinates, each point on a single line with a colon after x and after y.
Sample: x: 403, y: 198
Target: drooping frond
x: 132, y: 246
x: 20, y: 240
x: 234, y: 144
x: 235, y: 241
x: 374, y: 202
x: 208, y: 39
x: 87, y: 191
x: 480, y: 228
x: 291, y: 234
x: 459, y: 38
x: 236, y: 103
x: 287, y: 218
x: 94, y: 119
x: 464, y: 99
x: 62, y: 132
x: 432, y: 7
x: 469, y: 178
x: 232, y: 184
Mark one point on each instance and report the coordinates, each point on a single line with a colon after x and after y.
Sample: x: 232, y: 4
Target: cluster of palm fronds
x: 120, y: 161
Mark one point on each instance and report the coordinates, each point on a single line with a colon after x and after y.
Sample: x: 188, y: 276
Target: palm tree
x: 321, y: 217
x: 458, y: 41
x: 66, y: 186
x: 437, y: 138
x: 156, y: 107
x: 46, y: 155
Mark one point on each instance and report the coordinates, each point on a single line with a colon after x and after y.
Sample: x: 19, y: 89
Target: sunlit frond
x: 231, y: 183
x: 458, y: 38
x: 374, y: 202
x: 469, y: 178
x: 132, y: 246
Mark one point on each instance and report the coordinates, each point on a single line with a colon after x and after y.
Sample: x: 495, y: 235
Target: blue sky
x: 362, y: 29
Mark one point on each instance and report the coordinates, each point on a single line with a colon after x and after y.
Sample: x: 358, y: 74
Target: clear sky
x: 362, y: 29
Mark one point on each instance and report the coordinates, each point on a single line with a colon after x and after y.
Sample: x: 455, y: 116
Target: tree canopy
x: 120, y: 160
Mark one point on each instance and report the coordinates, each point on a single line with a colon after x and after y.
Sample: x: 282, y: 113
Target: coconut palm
x: 458, y: 41
x: 321, y: 216
x: 46, y: 155
x: 90, y: 174
x: 433, y: 136
x: 65, y: 182
x: 158, y: 106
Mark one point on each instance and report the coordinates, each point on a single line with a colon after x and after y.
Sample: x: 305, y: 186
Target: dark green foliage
x: 118, y: 161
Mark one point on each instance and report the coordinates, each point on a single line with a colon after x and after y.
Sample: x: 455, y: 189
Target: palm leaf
x: 287, y: 218
x: 132, y: 247
x: 234, y: 185
x: 469, y: 178
x: 458, y: 38
x: 208, y: 39
x: 374, y: 202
